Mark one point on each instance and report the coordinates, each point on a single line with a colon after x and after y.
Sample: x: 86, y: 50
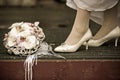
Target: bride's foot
x: 72, y: 48
x: 114, y: 34
x: 110, y: 23
x: 79, y: 29
x: 108, y: 30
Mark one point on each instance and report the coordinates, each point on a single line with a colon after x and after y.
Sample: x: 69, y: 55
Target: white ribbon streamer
x: 44, y: 50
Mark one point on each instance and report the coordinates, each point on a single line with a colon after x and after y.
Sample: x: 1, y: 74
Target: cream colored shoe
x: 72, y: 48
x: 114, y: 34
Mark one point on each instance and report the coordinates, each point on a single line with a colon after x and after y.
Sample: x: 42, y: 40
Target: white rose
x: 13, y: 32
x: 29, y: 43
x: 24, y: 33
x: 11, y: 41
x: 26, y: 26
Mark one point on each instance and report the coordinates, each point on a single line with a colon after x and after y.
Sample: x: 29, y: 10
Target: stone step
x: 62, y: 70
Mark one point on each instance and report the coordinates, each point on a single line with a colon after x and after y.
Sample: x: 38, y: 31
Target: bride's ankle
x: 80, y: 30
x: 75, y: 37
x: 103, y: 32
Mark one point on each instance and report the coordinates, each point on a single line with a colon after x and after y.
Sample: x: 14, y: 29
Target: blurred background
x: 24, y: 2
x: 54, y: 16
x: 32, y: 10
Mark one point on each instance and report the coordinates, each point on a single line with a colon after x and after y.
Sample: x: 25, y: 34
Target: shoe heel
x: 87, y: 45
x: 116, y: 41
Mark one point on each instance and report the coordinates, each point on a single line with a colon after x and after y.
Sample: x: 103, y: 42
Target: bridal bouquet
x: 27, y: 39
x: 24, y: 38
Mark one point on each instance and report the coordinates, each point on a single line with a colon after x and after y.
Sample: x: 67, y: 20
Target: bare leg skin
x: 80, y: 26
x: 110, y: 22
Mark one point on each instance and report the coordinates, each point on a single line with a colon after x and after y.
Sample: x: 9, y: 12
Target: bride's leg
x: 80, y: 26
x: 110, y: 22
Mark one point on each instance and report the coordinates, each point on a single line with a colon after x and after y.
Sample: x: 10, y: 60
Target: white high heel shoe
x: 115, y: 33
x: 72, y: 48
